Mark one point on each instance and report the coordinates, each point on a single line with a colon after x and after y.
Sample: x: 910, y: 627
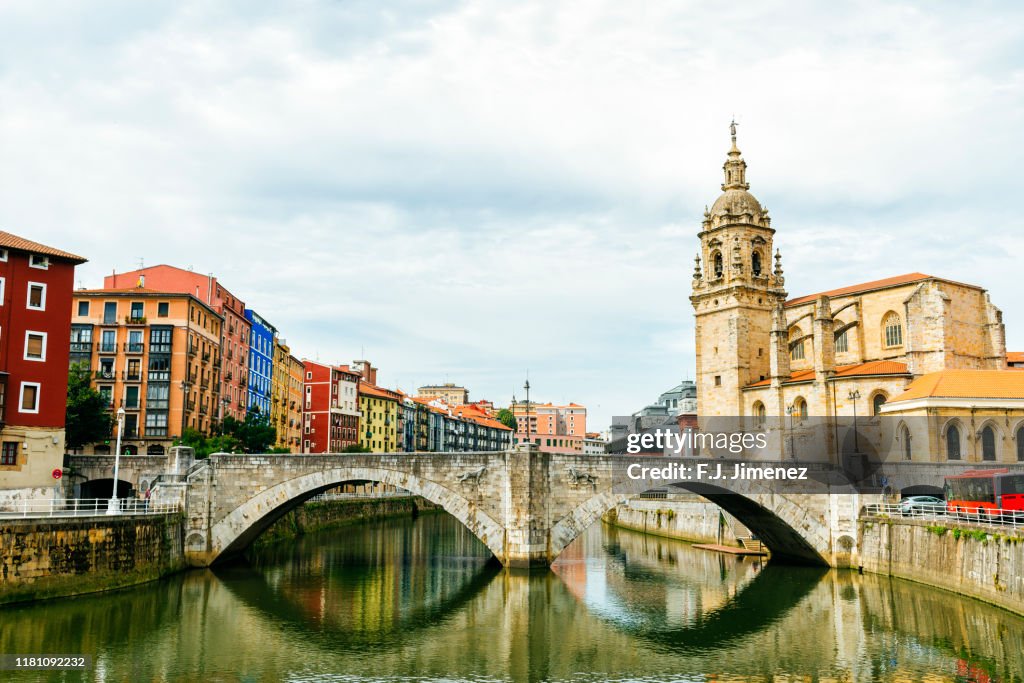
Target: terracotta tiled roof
x: 1015, y: 356
x: 871, y: 368
x: 10, y: 241
x: 863, y: 287
x: 378, y: 392
x: 965, y: 384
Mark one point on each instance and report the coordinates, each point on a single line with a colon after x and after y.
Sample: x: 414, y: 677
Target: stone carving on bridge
x: 578, y: 476
x: 473, y: 476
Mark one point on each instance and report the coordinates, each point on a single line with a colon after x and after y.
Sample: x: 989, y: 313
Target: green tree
x: 256, y: 434
x: 355, y: 448
x: 88, y: 417
x: 507, y: 418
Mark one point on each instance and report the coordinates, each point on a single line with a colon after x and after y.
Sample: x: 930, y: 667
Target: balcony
x: 81, y: 347
x: 192, y: 351
x: 190, y: 405
x: 105, y: 374
x: 131, y: 376
x: 202, y: 409
x: 104, y: 347
x: 206, y: 356
x: 227, y: 376
x: 135, y: 320
x: 134, y: 347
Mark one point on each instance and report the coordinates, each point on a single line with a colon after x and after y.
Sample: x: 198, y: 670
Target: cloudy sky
x: 466, y: 190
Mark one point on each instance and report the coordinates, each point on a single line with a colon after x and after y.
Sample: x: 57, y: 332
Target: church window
x: 800, y: 409
x: 988, y: 443
x: 717, y: 260
x: 755, y: 263
x: 876, y: 404
x: 842, y: 342
x: 796, y: 349
x: 953, y: 443
x: 905, y: 435
x: 761, y: 413
x: 893, y: 327
x: 1020, y: 444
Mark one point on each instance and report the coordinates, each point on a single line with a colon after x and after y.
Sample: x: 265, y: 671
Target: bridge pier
x: 527, y: 518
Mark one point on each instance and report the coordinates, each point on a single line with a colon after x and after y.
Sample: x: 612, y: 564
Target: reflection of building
x: 448, y: 392
x: 157, y: 355
x: 35, y: 304
x: 234, y: 333
x: 557, y: 429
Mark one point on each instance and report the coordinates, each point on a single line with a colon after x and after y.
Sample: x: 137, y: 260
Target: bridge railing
x: 988, y: 516
x: 83, y: 507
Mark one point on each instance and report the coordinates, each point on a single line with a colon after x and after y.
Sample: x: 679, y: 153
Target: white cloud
x: 470, y: 189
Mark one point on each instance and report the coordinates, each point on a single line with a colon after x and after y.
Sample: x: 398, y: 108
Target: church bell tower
x: 735, y: 291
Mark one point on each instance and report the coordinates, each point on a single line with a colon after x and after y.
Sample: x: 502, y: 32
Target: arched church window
x: 905, y: 435
x: 800, y: 409
x: 716, y: 259
x: 893, y: 329
x: 761, y: 413
x: 755, y: 263
x: 988, y: 443
x: 1020, y: 444
x: 842, y: 343
x: 796, y: 351
x: 876, y: 404
x: 953, y: 443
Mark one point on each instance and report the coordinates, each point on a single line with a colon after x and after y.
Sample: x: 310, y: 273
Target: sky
x: 474, y: 191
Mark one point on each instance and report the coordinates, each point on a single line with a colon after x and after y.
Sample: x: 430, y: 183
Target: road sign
x: 57, y: 473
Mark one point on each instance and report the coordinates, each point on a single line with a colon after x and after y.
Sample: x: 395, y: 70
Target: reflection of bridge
x: 525, y: 505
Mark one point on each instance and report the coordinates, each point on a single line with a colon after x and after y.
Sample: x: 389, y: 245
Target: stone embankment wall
x: 317, y: 515
x: 986, y: 563
x: 45, y: 558
x: 689, y: 520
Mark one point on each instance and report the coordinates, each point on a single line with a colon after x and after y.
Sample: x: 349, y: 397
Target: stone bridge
x: 526, y: 506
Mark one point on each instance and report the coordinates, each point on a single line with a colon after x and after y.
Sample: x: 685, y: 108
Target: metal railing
x: 82, y: 507
x: 960, y: 513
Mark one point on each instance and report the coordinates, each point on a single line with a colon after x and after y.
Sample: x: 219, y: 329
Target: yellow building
x: 378, y: 427
x: 157, y: 355
x: 296, y: 377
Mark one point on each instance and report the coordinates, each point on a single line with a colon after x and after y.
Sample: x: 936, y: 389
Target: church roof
x: 884, y: 283
x: 965, y: 384
x: 872, y: 368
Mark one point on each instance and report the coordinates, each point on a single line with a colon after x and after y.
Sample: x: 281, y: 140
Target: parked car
x: 919, y: 505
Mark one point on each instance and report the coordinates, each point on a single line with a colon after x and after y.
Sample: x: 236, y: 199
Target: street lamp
x: 112, y: 506
x: 529, y: 437
x: 853, y: 396
x: 790, y: 409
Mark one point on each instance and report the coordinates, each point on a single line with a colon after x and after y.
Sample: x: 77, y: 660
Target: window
x: 131, y: 397
x: 163, y: 309
x: 755, y: 263
x: 718, y: 380
x: 1020, y: 444
x: 905, y: 435
x: 2, y: 283
x: 83, y: 308
x: 38, y: 261
x: 109, y: 312
x: 800, y: 409
x: 3, y: 254
x: 136, y: 310
x: 9, y: 456
x: 108, y: 341
x: 134, y: 371
x: 988, y: 443
x: 107, y: 394
x: 716, y: 259
x: 36, y: 296
x: 160, y: 340
x: 876, y: 404
x: 29, y: 402
x: 761, y: 413
x: 135, y: 341
x: 893, y: 329
x: 106, y: 370
x: 35, y: 346
x: 953, y: 443
x: 156, y: 424
x: 796, y: 348
x: 842, y: 342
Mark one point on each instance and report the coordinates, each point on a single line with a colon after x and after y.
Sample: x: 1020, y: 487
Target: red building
x: 234, y: 343
x: 330, y: 410
x: 36, y: 283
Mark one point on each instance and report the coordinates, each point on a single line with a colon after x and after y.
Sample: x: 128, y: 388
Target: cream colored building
x: 786, y: 361
x: 449, y: 393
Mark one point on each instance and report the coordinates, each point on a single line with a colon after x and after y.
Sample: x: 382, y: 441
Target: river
x: 418, y: 600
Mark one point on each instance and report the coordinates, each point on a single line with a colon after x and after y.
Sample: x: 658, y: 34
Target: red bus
x: 993, y: 493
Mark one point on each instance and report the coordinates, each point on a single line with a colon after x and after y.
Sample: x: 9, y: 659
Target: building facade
x: 820, y: 360
x: 379, y: 409
x: 261, y: 362
x: 296, y: 381
x: 235, y: 332
x: 555, y: 428
x: 286, y: 397
x: 35, y: 303
x: 157, y: 355
x: 330, y: 409
x: 448, y: 392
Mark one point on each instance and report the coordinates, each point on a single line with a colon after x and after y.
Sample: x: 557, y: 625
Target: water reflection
x: 405, y: 600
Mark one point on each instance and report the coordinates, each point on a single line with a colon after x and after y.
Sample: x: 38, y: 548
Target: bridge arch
x: 793, y: 528
x: 239, y: 527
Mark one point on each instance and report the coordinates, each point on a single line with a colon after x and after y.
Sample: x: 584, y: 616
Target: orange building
x: 157, y: 355
x: 234, y: 333
x: 555, y: 428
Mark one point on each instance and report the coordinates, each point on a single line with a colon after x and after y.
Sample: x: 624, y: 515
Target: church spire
x: 735, y: 168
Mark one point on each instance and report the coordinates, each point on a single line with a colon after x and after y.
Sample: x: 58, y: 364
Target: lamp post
x: 112, y: 506
x: 853, y: 396
x: 529, y: 436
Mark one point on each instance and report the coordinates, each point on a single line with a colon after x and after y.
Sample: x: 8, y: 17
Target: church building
x: 870, y: 349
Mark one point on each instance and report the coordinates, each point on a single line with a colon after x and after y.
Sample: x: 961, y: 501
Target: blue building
x: 261, y: 361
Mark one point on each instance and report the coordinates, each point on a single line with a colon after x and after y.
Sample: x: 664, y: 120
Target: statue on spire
x: 732, y: 129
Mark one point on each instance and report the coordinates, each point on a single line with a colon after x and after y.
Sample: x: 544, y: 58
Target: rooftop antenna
x: 142, y: 263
